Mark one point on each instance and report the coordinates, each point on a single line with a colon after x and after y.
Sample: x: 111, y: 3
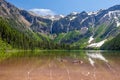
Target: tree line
x: 113, y: 44
x: 18, y: 39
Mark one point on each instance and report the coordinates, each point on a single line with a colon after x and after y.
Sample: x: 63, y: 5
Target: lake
x: 60, y: 65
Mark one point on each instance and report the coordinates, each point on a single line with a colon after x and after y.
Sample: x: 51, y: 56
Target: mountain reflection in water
x: 60, y: 65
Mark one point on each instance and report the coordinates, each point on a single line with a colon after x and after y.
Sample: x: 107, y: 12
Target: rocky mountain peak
x: 116, y: 7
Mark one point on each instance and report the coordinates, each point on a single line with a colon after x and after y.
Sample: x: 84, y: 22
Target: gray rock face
x: 109, y: 17
x: 24, y: 19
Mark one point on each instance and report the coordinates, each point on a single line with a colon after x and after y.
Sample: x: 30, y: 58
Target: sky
x: 64, y: 7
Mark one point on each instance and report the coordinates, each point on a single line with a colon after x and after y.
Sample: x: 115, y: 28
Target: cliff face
x: 22, y: 18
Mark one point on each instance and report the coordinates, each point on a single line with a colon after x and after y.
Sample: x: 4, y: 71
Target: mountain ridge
x: 75, y: 29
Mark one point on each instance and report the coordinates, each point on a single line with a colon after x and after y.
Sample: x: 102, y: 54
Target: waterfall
x: 51, y: 27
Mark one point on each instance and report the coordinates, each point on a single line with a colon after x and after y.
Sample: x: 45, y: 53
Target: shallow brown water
x: 61, y: 65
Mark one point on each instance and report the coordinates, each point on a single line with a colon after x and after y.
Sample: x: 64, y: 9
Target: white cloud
x: 43, y: 12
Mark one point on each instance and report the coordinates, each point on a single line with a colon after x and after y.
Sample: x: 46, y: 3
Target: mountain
x: 22, y: 19
x: 12, y: 13
x: 22, y: 30
x: 79, y: 30
x: 99, y: 26
x: 22, y: 22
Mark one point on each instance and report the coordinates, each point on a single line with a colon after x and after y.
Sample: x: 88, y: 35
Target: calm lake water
x: 60, y: 65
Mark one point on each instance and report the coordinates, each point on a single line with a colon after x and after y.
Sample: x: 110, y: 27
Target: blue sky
x: 64, y: 6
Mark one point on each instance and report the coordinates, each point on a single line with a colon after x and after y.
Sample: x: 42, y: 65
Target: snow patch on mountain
x: 117, y: 21
x: 90, y: 39
x: 62, y: 16
x: 113, y: 15
x: 99, y: 44
x: 72, y: 18
x: 84, y: 20
x: 74, y: 13
x: 53, y: 17
x: 118, y: 24
x: 110, y: 14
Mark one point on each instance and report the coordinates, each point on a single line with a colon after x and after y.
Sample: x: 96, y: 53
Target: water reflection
x: 95, y: 55
x: 60, y: 65
x: 91, y: 61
